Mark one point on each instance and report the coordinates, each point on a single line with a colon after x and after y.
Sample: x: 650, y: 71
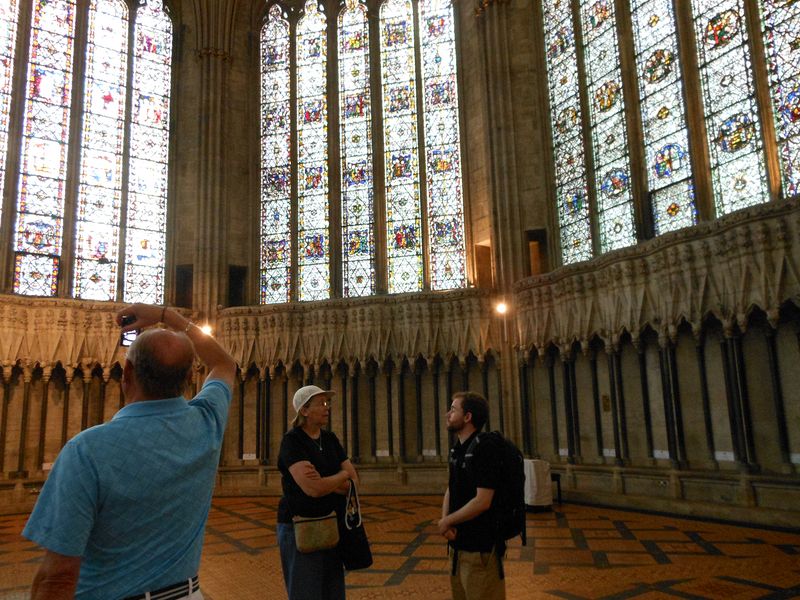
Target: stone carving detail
x: 723, y: 269
x: 448, y: 324
x: 46, y: 332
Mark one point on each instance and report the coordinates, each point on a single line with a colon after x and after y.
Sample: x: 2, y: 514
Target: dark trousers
x: 311, y: 576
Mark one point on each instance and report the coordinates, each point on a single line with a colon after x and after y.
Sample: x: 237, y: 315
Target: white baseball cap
x: 303, y: 395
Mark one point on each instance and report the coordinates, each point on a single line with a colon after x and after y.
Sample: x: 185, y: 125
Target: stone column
x: 372, y: 374
x: 69, y: 373
x: 355, y: 446
x: 27, y: 377
x: 47, y: 372
x: 214, y: 29
x: 612, y: 354
x: 528, y: 437
x: 499, y: 105
x: 388, y: 371
x: 569, y: 416
x: 401, y: 408
x: 435, y: 365
x: 777, y: 393
x: 242, y: 379
x: 266, y: 421
x: 598, y: 413
x: 483, y: 367
x: 101, y: 403
x: 550, y: 363
x: 738, y: 400
x: 417, y: 368
x: 708, y: 424
x: 8, y: 370
x: 640, y: 347
x: 86, y: 373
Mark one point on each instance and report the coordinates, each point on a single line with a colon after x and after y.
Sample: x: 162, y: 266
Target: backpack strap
x: 500, y: 552
x: 473, y: 445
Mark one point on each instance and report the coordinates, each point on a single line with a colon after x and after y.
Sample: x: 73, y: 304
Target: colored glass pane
x: 442, y: 145
x: 403, y: 208
x: 781, y: 31
x: 8, y: 35
x: 45, y: 137
x: 98, y: 217
x: 355, y: 118
x: 312, y: 156
x: 146, y: 215
x: 666, y: 137
x: 609, y: 131
x: 568, y: 140
x: 276, y: 241
x: 738, y: 172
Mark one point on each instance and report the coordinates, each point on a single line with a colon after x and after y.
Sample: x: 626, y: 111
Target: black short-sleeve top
x: 327, y: 456
x: 467, y: 474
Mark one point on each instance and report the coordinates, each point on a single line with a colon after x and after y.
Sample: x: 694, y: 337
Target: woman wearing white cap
x: 316, y: 475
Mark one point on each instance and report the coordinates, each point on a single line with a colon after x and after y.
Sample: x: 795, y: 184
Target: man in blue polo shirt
x: 124, y: 509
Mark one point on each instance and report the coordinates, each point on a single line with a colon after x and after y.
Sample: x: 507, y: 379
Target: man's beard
x: 455, y: 428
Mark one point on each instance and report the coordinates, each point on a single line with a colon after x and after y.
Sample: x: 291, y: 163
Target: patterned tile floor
x: 575, y: 552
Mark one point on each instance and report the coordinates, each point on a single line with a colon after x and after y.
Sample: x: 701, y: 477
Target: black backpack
x: 508, y: 504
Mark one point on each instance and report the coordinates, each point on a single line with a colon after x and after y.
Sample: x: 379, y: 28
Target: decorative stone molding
x: 214, y: 32
x: 47, y: 331
x: 483, y: 6
x: 444, y: 323
x: 723, y: 269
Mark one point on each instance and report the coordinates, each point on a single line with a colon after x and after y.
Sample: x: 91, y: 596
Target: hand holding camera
x: 126, y: 337
x: 135, y: 317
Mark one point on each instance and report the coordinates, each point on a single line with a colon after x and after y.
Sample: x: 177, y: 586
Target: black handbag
x: 353, y: 543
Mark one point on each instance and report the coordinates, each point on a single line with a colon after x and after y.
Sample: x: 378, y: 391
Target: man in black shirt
x: 468, y: 521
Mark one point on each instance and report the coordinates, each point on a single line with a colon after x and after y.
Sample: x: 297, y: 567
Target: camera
x: 126, y: 337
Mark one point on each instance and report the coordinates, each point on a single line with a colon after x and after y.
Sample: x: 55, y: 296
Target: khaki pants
x: 477, y: 577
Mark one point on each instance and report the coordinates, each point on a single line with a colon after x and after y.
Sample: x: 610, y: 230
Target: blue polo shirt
x: 131, y: 496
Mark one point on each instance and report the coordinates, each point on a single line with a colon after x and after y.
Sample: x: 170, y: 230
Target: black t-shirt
x: 478, y: 534
x: 327, y: 460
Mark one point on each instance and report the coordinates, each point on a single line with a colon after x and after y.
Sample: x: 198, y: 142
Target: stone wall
x: 660, y: 376
x: 394, y: 362
x: 663, y: 375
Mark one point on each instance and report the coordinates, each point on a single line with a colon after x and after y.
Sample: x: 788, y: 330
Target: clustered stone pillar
x: 214, y: 20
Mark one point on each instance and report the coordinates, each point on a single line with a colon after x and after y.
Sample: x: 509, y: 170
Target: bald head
x: 161, y: 362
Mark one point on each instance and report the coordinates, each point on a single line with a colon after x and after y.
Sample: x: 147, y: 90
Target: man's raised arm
x: 220, y: 364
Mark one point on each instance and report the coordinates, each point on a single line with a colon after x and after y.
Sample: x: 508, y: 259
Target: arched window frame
x: 293, y: 12
x: 64, y: 284
x: 692, y: 91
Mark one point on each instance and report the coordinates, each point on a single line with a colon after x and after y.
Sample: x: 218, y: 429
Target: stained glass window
x: 276, y: 242
x: 666, y: 138
x: 312, y: 156
x: 403, y: 208
x: 8, y: 36
x: 146, y: 222
x: 442, y: 145
x: 355, y: 117
x: 781, y: 31
x: 738, y: 171
x: 568, y: 141
x: 99, y: 194
x: 609, y: 131
x: 358, y: 203
x: 117, y: 231
x: 45, y: 137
